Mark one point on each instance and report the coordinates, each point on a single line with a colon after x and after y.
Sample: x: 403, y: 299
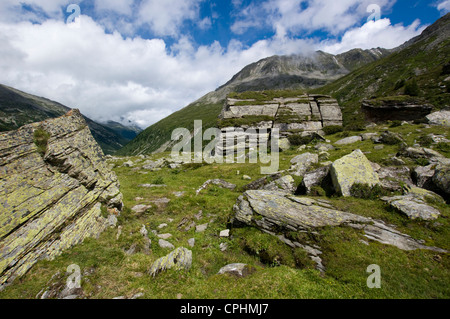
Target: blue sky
x: 140, y: 60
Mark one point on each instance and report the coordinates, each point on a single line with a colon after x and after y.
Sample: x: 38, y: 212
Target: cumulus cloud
x: 444, y: 6
x: 299, y: 16
x: 110, y: 77
x: 110, y: 73
x: 166, y: 17
x: 374, y: 34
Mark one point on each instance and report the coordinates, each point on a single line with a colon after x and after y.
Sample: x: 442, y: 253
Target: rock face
x: 51, y: 195
x: 351, y: 169
x: 394, y: 109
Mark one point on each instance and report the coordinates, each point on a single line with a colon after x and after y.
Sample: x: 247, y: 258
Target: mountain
x: 420, y: 67
x: 273, y: 73
x: 18, y: 108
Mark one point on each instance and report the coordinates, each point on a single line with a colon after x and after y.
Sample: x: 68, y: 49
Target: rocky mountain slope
x: 55, y: 191
x: 273, y: 73
x: 420, y: 68
x: 18, y: 108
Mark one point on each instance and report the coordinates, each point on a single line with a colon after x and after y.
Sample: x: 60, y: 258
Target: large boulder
x: 54, y: 181
x: 351, y: 169
x: 441, y: 178
x: 439, y: 118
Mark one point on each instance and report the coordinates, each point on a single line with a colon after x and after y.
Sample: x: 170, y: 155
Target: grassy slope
x: 152, y: 138
x: 281, y: 272
x: 380, y: 77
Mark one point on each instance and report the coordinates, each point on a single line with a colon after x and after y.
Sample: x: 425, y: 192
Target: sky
x: 138, y: 61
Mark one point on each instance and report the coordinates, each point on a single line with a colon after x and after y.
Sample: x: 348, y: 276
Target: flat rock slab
x: 349, y: 140
x: 217, y: 182
x: 276, y: 211
x: 413, y: 208
x: 140, y: 209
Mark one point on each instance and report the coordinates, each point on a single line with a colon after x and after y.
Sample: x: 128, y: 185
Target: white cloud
x: 372, y: 35
x: 300, y: 16
x: 123, y: 7
x: 109, y: 77
x: 444, y: 6
x: 166, y: 17
x: 112, y: 77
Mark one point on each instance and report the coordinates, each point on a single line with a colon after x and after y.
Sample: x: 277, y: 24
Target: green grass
x: 40, y: 138
x: 281, y: 272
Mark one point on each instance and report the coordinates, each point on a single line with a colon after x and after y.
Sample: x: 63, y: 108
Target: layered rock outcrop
x: 53, y: 184
x: 395, y: 108
x: 292, y: 115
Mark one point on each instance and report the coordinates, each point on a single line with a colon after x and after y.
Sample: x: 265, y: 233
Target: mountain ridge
x: 18, y: 108
x: 276, y: 72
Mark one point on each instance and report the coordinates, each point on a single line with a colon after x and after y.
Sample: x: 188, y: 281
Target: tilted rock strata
x: 279, y: 213
x: 51, y: 202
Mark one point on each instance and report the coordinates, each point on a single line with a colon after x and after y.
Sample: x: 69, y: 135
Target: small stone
x: 191, y: 242
x: 111, y: 221
x: 140, y: 209
x: 201, y: 228
x: 165, y: 244
x: 165, y: 236
x: 238, y: 269
x: 138, y: 295
x: 225, y: 233
x: 223, y: 246
x: 162, y: 225
x: 119, y: 232
x: 144, y: 231
x: 246, y: 177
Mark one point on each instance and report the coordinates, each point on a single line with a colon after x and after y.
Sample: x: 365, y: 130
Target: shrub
x: 365, y: 191
x: 40, y: 138
x: 422, y: 162
x: 425, y: 141
x: 396, y: 123
x: 297, y: 140
x: 443, y: 147
x: 412, y: 88
x: 399, y: 84
x: 158, y: 181
x: 355, y: 127
x: 333, y: 129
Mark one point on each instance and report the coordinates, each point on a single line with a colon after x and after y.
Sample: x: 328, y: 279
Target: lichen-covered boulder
x: 439, y: 118
x: 179, y: 259
x: 441, y: 178
x: 351, y: 169
x: 51, y: 191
